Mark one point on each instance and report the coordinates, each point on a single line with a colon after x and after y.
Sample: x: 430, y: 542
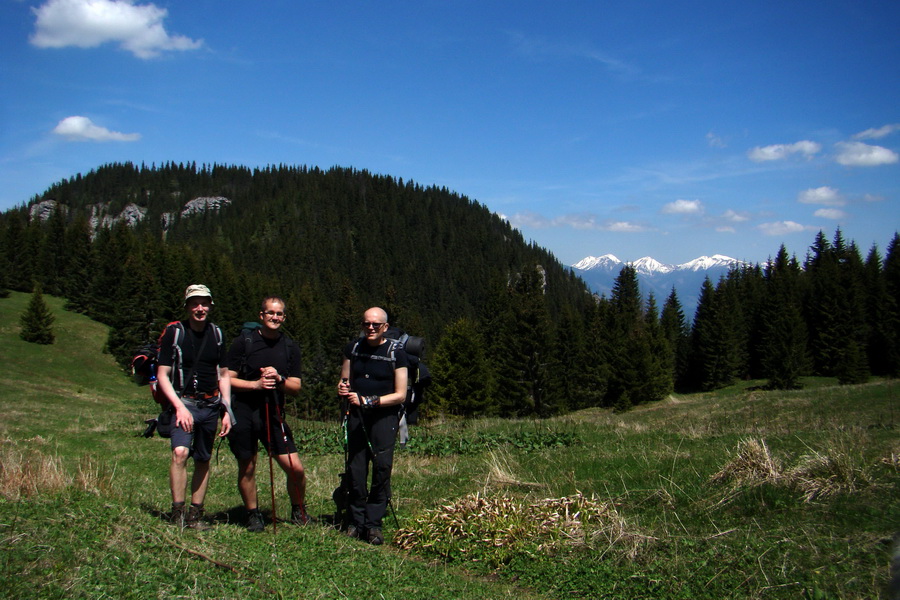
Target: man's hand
x: 226, y: 424
x: 184, y: 419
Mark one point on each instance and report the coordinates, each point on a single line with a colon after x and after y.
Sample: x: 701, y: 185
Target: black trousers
x: 371, y: 437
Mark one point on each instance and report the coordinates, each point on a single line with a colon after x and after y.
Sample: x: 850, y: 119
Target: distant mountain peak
x: 607, y: 261
x: 708, y: 262
x: 650, y: 266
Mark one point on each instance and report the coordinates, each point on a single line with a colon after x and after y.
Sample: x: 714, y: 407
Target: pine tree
x: 77, y: 277
x: 678, y: 335
x: 461, y: 377
x: 37, y: 321
x: 638, y: 372
x: 783, y: 331
x: 891, y: 272
x: 714, y: 358
x: 880, y: 345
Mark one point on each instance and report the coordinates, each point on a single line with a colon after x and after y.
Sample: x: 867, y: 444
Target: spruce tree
x: 76, y: 279
x: 637, y: 371
x: 880, y: 345
x: 461, y: 377
x: 783, y: 330
x: 37, y: 321
x: 891, y: 273
x: 678, y: 335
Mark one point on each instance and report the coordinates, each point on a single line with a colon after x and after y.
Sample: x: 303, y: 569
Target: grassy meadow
x: 741, y: 493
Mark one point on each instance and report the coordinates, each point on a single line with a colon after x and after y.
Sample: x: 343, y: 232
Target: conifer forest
x: 509, y: 330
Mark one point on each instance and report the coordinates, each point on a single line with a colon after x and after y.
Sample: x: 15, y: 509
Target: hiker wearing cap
x: 193, y: 377
x: 373, y: 384
x: 264, y: 365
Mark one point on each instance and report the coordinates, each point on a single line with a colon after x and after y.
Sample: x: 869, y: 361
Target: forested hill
x: 510, y: 331
x: 331, y: 242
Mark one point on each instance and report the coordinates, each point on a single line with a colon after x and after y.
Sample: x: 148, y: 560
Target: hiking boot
x: 255, y: 522
x: 375, y: 537
x: 194, y: 517
x: 299, y: 516
x: 176, y: 517
x: 353, y: 532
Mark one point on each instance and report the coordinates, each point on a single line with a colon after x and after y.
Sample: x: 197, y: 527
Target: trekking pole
x: 293, y: 476
x: 271, y: 472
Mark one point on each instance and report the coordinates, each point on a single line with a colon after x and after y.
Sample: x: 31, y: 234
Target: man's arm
x: 225, y: 394
x: 183, y: 417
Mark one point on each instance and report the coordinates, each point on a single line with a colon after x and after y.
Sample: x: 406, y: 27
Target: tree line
x: 511, y: 331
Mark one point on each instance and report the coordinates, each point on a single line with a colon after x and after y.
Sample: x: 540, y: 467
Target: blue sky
x: 669, y: 129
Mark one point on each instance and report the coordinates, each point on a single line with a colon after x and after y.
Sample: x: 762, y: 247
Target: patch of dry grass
x: 838, y: 469
x: 492, y: 528
x: 27, y: 469
x: 752, y: 465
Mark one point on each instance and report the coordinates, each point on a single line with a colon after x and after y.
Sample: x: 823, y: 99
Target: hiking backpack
x: 146, y: 360
x: 419, y: 375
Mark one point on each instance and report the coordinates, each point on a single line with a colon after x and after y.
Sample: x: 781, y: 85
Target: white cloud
x: 623, y: 227
x: 834, y: 214
x: 782, y: 228
x: 783, y: 151
x: 857, y: 154
x: 821, y: 195
x: 877, y: 132
x: 82, y: 129
x: 683, y: 207
x: 90, y: 23
x: 735, y: 217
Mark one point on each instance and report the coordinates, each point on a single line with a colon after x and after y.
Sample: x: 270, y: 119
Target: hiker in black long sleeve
x: 373, y: 382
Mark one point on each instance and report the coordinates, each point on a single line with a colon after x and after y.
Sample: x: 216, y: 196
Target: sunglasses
x: 367, y: 324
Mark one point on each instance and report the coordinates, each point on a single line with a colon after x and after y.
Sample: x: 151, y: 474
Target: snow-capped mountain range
x: 600, y: 274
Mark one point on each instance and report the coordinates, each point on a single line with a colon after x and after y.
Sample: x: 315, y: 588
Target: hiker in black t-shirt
x: 373, y: 383
x: 193, y: 377
x: 264, y: 365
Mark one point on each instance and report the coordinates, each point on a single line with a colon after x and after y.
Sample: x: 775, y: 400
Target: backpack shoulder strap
x: 391, y: 353
x: 177, y: 337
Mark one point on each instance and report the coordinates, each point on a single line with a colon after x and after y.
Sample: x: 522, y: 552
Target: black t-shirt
x: 205, y: 379
x: 281, y: 353
x: 372, y: 371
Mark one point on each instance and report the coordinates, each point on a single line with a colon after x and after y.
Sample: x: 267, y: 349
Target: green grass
x: 590, y: 505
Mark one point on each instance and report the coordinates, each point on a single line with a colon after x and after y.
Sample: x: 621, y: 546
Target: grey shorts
x: 200, y: 441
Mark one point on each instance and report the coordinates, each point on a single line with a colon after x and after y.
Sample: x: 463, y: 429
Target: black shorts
x: 200, y: 440
x: 250, y: 431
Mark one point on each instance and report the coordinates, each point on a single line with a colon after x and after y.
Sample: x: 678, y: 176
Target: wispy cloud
x: 825, y: 195
x: 137, y: 28
x: 715, y: 141
x: 538, y: 47
x: 805, y: 148
x: 82, y: 129
x: 834, y: 214
x: 858, y: 154
x: 783, y: 228
x: 532, y: 220
x: 735, y: 217
x: 877, y: 132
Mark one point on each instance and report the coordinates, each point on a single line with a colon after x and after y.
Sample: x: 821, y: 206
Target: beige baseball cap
x: 197, y: 290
